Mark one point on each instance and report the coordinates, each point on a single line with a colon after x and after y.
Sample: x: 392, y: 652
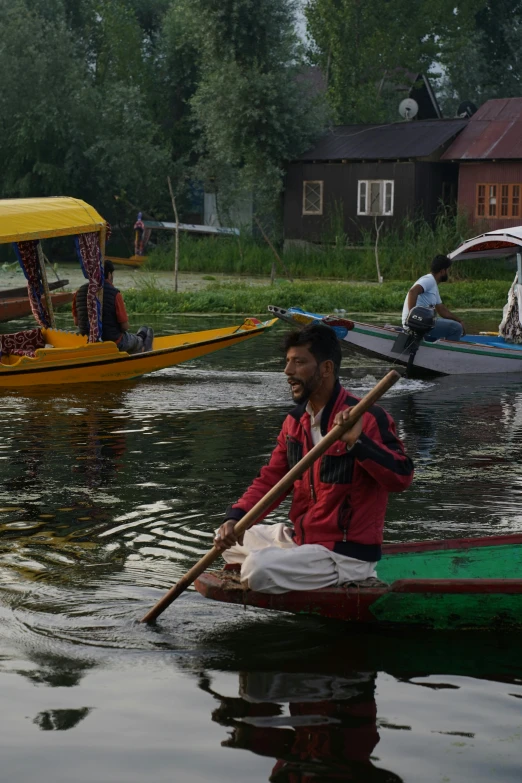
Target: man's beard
x: 307, y: 387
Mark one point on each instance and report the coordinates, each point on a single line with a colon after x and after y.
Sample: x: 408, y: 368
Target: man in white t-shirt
x: 425, y: 293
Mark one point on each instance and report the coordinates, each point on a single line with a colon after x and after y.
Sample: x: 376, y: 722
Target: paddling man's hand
x: 225, y: 537
x: 352, y: 434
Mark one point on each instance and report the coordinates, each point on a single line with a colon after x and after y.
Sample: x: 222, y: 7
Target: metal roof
x: 494, y: 132
x: 415, y: 139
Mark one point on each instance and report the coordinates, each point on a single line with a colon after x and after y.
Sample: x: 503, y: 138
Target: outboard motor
x: 419, y: 322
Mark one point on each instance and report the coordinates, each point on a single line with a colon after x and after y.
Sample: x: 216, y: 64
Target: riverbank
x: 153, y: 293
x: 322, y: 297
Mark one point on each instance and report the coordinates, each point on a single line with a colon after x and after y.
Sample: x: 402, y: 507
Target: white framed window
x: 313, y: 197
x: 375, y: 196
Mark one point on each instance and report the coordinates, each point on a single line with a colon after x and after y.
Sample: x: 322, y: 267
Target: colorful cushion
x: 22, y: 343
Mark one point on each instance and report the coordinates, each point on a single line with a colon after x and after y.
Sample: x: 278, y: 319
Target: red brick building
x: 489, y: 153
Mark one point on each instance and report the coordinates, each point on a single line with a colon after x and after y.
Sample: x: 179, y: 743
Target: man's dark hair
x: 439, y: 263
x: 108, y: 268
x: 320, y: 340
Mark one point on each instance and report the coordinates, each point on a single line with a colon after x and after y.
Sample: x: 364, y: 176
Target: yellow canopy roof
x: 40, y: 218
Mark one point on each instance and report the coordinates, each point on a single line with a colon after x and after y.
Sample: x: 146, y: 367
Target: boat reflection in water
x: 330, y: 705
x: 316, y: 726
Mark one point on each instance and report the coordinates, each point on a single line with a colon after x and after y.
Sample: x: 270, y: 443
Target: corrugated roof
x: 416, y: 139
x: 494, y: 132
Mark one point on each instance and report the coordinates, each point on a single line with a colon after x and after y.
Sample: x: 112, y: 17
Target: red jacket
x: 340, y: 502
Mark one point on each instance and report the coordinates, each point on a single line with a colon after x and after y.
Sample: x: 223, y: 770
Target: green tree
x: 175, y: 78
x: 250, y: 110
x: 484, y: 60
x: 64, y: 132
x: 362, y: 44
x: 43, y: 104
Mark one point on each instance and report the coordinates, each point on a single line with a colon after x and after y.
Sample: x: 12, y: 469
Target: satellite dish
x: 408, y: 108
x: 466, y: 109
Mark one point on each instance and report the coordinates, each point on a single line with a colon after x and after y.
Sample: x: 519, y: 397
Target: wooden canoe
x: 12, y: 309
x: 20, y: 293
x: 467, y: 583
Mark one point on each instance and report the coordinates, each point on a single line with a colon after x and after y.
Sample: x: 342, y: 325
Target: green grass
x: 404, y: 254
x: 321, y: 297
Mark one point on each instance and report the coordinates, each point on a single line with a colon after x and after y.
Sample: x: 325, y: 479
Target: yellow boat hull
x: 135, y: 261
x: 72, y: 360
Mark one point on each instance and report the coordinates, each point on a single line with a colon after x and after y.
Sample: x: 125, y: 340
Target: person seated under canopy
x: 115, y: 321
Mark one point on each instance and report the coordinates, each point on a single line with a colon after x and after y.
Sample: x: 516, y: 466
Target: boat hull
x: 134, y: 261
x: 12, y: 309
x: 21, y: 293
x: 472, y: 592
x: 71, y: 360
x: 442, y: 357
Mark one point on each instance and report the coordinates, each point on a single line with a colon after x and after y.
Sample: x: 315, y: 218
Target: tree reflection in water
x: 61, y: 720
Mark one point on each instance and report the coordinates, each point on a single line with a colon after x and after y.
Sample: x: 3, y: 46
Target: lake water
x: 109, y: 494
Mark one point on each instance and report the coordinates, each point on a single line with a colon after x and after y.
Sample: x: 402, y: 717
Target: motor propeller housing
x: 420, y: 320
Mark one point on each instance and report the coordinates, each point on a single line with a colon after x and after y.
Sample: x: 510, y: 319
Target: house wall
x: 474, y: 173
x: 418, y: 187
x: 434, y: 183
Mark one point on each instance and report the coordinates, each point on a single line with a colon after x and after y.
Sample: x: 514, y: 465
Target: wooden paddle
x: 277, y: 490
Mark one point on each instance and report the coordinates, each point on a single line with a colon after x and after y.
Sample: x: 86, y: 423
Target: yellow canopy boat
x: 46, y: 355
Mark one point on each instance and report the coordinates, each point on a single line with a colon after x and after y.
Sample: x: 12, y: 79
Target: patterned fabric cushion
x: 22, y: 343
x: 22, y: 352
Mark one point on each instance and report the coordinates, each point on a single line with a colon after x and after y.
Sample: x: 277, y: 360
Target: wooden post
x: 103, y: 239
x: 176, y: 241
x: 47, y: 293
x: 378, y: 229
x: 274, y: 251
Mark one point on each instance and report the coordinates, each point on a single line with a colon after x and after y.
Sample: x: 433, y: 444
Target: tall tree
x: 251, y: 111
x: 360, y: 45
x: 63, y: 129
x: 486, y: 61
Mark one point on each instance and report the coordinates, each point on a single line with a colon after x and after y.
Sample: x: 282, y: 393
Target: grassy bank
x: 319, y: 296
x: 404, y: 254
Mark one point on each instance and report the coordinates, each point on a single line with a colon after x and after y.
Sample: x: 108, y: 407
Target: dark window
x: 312, y: 197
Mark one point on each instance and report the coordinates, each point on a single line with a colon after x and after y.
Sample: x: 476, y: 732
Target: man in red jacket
x: 339, y: 503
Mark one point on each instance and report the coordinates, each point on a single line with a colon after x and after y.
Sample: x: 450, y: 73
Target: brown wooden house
x: 364, y: 172
x: 489, y: 153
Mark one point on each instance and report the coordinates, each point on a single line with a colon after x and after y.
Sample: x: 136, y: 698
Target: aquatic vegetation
x: 317, y: 296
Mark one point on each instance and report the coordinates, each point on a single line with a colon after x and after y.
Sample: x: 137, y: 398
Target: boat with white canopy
x: 473, y: 355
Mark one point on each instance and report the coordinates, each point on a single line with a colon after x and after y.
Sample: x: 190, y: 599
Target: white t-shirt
x: 315, y: 423
x: 429, y: 298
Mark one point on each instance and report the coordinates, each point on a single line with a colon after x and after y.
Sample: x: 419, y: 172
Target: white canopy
x: 492, y: 244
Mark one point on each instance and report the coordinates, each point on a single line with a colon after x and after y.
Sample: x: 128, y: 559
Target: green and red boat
x: 456, y: 584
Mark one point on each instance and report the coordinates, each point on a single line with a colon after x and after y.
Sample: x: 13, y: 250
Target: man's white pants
x: 271, y: 562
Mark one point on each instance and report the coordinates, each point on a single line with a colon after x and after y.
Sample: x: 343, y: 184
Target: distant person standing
x: 115, y: 321
x: 425, y: 293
